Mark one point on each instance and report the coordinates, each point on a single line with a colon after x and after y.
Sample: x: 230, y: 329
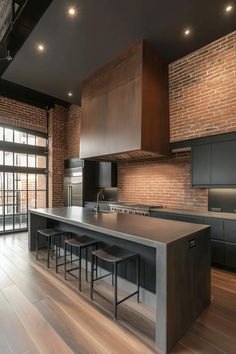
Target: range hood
x: 125, y: 108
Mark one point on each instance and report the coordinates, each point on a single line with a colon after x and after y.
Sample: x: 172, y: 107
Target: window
x: 23, y: 176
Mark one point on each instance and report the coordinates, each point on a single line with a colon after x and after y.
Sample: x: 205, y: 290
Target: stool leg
x: 86, y: 264
x: 49, y: 250
x: 115, y: 291
x: 92, y: 277
x: 52, y: 245
x: 80, y: 269
x: 71, y: 254
x: 112, y: 274
x: 65, y: 251
x: 138, y: 276
x: 37, y: 245
x: 57, y: 241
x: 96, y: 261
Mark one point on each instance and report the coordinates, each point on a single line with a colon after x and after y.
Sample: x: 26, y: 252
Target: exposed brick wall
x: 73, y: 131
x: 166, y: 181
x: 203, y: 91
x: 202, y: 88
x: 22, y: 115
x: 57, y: 153
x: 27, y: 116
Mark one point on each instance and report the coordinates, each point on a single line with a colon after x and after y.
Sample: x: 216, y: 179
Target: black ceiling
x: 76, y: 47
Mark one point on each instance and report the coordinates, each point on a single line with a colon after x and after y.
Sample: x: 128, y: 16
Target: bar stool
x: 52, y: 235
x: 78, y: 243
x: 114, y: 255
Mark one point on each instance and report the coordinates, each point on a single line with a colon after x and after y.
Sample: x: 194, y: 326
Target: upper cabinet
x: 106, y: 174
x: 214, y: 165
x: 125, y: 108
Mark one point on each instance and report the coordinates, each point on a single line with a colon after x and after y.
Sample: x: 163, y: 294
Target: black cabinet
x: 223, y: 235
x: 217, y: 252
x: 201, y: 165
x: 224, y: 163
x: 230, y: 255
x: 164, y: 215
x: 191, y: 218
x: 230, y: 230
x: 106, y: 174
x: 217, y: 228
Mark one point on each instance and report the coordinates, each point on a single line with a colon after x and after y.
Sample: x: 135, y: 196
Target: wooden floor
x: 39, y: 313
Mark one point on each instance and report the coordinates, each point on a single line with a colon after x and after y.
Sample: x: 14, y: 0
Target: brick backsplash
x: 167, y: 181
x: 73, y: 131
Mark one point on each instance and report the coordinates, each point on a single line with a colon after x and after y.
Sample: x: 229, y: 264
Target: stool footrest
x: 103, y: 276
x: 103, y: 296
x: 127, y: 297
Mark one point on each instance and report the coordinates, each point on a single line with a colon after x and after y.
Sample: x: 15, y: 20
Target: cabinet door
x: 163, y: 215
x: 107, y: 175
x: 201, y: 165
x: 192, y: 219
x: 217, y: 252
x: 230, y: 255
x: 217, y: 228
x: 230, y: 230
x: 224, y: 163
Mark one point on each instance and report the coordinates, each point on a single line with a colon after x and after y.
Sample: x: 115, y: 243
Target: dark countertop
x: 200, y: 213
x: 136, y: 228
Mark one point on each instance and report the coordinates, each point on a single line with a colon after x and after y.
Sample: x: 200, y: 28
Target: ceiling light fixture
x: 41, y: 47
x: 72, y: 11
x: 229, y: 8
x: 70, y: 94
x: 187, y: 31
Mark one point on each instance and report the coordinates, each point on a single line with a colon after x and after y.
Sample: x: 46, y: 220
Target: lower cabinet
x: 223, y: 236
x: 230, y: 255
x: 217, y: 252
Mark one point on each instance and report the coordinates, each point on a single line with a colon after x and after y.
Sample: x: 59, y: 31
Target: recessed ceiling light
x: 229, y: 8
x: 70, y: 94
x: 41, y: 47
x: 72, y: 11
x: 187, y: 31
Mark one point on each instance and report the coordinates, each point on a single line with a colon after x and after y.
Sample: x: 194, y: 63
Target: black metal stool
x: 115, y: 255
x: 79, y: 243
x: 52, y: 235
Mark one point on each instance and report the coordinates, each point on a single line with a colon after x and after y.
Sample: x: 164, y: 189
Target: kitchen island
x: 175, y: 259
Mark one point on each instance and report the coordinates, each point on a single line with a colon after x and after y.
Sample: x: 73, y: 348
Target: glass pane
x: 8, y: 134
x: 20, y: 202
x: 41, y: 161
x: 1, y: 157
x: 20, y: 137
x: 20, y: 181
x: 31, y: 200
x: 41, y: 182
x: 8, y: 181
x: 1, y: 133
x: 31, y: 139
x: 1, y: 199
x: 31, y: 182
x: 31, y: 160
x: 8, y: 158
x: 1, y: 223
x: 20, y: 221
x: 41, y: 141
x: 9, y: 203
x: 8, y: 222
x: 20, y: 160
x: 41, y: 199
x: 1, y: 180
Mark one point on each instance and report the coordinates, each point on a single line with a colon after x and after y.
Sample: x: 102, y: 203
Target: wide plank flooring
x: 40, y: 313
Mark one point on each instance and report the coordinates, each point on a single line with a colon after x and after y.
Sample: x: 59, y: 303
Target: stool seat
x: 80, y: 241
x: 51, y: 232
x: 114, y: 254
